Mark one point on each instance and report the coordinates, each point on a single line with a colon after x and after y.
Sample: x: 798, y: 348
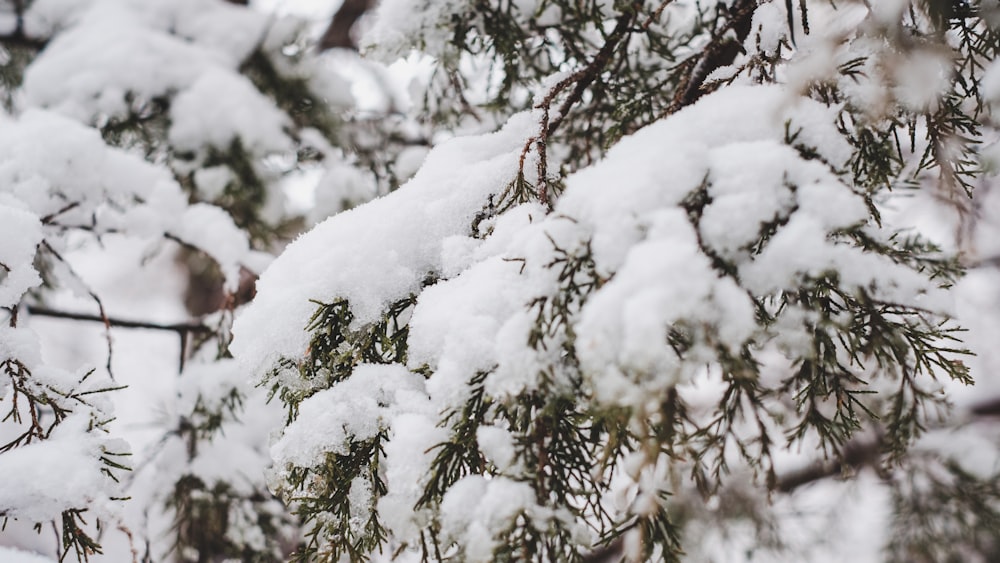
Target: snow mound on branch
x: 65, y: 469
x: 44, y: 18
x: 660, y: 255
x: 653, y: 265
x: 55, y: 168
x: 702, y: 186
x: 44, y: 478
x: 84, y: 71
x: 658, y: 217
x: 354, y: 410
x: 221, y: 107
x: 20, y: 233
x: 112, y: 58
x: 58, y: 167
x: 474, y: 509
x: 380, y: 252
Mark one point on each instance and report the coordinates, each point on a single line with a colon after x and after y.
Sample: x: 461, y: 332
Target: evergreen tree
x: 666, y: 295
x: 677, y: 280
x: 163, y: 133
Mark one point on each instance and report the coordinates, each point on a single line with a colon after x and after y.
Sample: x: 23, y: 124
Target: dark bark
x: 338, y: 34
x: 720, y: 52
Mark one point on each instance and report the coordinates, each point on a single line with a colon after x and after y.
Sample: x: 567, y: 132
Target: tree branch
x: 115, y: 322
x: 338, y: 34
x: 862, y: 453
x: 720, y: 52
x: 855, y: 455
x: 17, y: 38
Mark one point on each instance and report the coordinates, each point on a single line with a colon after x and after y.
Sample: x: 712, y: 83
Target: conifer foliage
x: 666, y: 277
x: 164, y: 130
x: 678, y: 280
x: 665, y: 272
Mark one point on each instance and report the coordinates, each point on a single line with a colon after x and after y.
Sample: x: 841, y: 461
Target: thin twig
x: 582, y: 80
x: 51, y: 216
x: 93, y: 295
x: 584, y: 77
x: 116, y: 322
x: 720, y: 52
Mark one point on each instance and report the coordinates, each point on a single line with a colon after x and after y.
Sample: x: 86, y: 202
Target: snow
x: 49, y: 161
x: 354, y: 410
x: 212, y: 181
x: 770, y: 23
x: 56, y: 167
x: 408, y: 457
x: 454, y: 329
x: 217, y: 25
x: 220, y: 108
x: 399, y: 22
x: 475, y: 510
x: 341, y: 187
x: 20, y: 232
x: 108, y: 213
x: 657, y: 267
x: 12, y: 555
x: 377, y: 253
x: 84, y: 71
x: 664, y: 282
x: 921, y: 78
x: 42, y: 479
x: 658, y: 259
x: 655, y: 255
x: 497, y: 444
x: 212, y: 230
x: 44, y: 18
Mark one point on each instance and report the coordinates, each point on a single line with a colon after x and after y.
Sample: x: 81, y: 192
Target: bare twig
x: 582, y: 79
x: 720, y: 52
x: 116, y: 322
x: 181, y: 329
x: 48, y: 219
x: 855, y: 455
x: 100, y: 304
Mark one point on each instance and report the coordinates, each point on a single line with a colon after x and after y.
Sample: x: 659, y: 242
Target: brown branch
x: 610, y: 553
x: 181, y: 329
x: 862, y: 453
x: 582, y: 79
x: 855, y: 455
x: 720, y: 52
x: 588, y: 74
x: 116, y: 322
x: 48, y: 219
x: 338, y: 33
x: 990, y: 408
x: 93, y: 295
x: 17, y: 37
